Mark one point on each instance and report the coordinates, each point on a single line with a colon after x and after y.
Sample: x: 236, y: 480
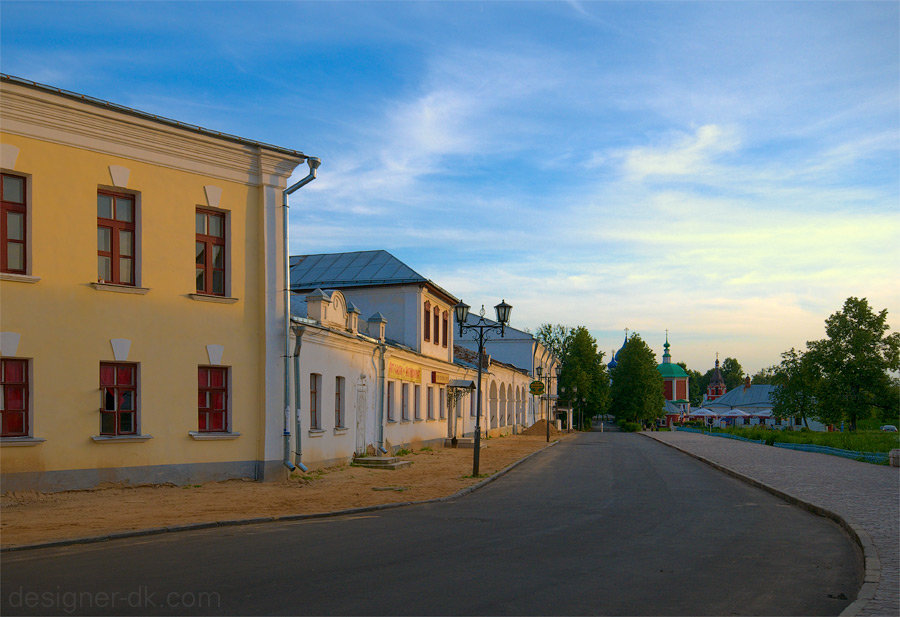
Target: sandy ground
x: 31, y: 517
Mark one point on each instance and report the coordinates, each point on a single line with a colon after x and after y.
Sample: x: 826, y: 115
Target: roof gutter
x: 313, y: 163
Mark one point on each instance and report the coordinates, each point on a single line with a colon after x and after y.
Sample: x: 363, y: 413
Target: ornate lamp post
x: 540, y: 371
x: 461, y: 312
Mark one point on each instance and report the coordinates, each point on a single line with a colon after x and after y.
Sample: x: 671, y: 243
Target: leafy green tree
x: 856, y: 360
x: 766, y: 375
x: 695, y: 379
x: 797, y: 379
x: 555, y: 337
x: 584, y: 372
x: 732, y: 373
x: 637, y: 386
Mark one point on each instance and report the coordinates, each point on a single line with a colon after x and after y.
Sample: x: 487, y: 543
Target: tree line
x: 849, y: 375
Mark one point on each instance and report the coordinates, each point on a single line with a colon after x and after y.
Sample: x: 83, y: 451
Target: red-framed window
x: 118, y: 398
x: 13, y: 251
x: 437, y: 318
x: 115, y: 238
x: 445, y: 320
x: 210, y: 252
x: 212, y: 399
x: 427, y: 321
x: 315, y: 387
x: 14, y: 397
x: 339, y: 402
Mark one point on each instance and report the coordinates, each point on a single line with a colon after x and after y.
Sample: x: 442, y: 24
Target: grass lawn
x: 860, y: 441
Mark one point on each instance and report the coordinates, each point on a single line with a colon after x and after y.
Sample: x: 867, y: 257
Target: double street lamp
x: 461, y: 312
x: 540, y: 372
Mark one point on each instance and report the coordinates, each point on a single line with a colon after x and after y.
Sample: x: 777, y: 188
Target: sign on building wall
x: 404, y: 371
x: 440, y: 378
x: 537, y: 387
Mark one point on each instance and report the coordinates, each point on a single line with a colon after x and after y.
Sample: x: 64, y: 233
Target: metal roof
x: 356, y: 269
x: 756, y: 396
x: 146, y: 115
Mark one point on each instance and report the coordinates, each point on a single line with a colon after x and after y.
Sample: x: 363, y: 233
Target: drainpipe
x: 298, y: 338
x: 313, y: 166
x: 380, y: 376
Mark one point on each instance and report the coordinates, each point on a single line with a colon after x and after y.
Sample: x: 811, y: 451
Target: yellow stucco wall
x: 66, y: 325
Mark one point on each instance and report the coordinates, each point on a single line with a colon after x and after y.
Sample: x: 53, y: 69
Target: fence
x: 880, y: 458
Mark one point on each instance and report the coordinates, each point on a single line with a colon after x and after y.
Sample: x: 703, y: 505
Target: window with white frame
x: 315, y: 401
x: 390, y: 401
x: 404, y: 402
x: 429, y: 396
x: 417, y: 402
x: 442, y: 405
x: 339, y: 402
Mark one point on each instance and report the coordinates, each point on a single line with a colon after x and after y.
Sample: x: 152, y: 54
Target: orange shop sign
x: 440, y: 378
x: 404, y: 371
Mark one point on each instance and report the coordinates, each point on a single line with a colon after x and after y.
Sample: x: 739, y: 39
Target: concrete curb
x: 872, y: 575
x: 271, y: 519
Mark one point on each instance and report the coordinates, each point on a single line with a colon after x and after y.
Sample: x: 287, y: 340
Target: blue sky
x: 727, y: 170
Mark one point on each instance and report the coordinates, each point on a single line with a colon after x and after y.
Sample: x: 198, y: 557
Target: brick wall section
x: 863, y: 494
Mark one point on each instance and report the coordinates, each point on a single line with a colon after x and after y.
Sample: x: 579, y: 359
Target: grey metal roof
x: 341, y: 270
x: 757, y: 396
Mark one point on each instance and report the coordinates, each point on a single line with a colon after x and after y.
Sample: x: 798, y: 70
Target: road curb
x: 872, y: 568
x: 271, y: 519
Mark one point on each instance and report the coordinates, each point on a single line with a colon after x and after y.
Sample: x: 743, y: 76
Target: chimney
x: 747, y: 382
x: 316, y: 305
x: 376, y: 326
x: 352, y: 318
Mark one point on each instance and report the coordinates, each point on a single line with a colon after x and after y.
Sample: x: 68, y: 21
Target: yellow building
x: 142, y: 261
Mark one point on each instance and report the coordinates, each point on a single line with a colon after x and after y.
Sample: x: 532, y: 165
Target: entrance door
x: 362, y: 400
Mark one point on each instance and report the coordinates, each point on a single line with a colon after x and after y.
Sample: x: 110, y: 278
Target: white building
x: 375, y: 366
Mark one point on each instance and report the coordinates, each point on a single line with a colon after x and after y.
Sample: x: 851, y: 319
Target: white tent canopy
x: 734, y: 413
x: 703, y: 412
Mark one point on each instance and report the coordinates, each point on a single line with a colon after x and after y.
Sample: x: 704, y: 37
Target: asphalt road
x: 609, y: 523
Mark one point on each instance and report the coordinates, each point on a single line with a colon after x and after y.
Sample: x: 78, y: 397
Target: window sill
x: 21, y: 441
x: 202, y: 436
x: 120, y: 438
x: 340, y: 430
x: 18, y: 278
x: 316, y: 432
x: 212, y: 298
x: 392, y: 422
x: 124, y: 289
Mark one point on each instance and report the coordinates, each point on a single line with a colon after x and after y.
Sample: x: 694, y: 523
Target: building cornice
x: 62, y: 119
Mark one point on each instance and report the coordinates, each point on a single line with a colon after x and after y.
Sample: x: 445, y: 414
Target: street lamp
x: 540, y: 371
x: 461, y: 312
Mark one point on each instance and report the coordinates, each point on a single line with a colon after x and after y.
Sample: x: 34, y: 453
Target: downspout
x: 313, y: 166
x: 298, y: 341
x: 380, y: 376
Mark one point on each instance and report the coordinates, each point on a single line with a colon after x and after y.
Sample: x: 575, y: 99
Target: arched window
x: 427, y: 321
x: 445, y: 322
x: 437, y: 325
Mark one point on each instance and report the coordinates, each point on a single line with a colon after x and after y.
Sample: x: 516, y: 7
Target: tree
x: 583, y: 369
x: 637, y: 386
x: 855, y: 360
x: 797, y: 379
x: 555, y: 337
x: 766, y: 375
x: 695, y: 380
x: 732, y: 373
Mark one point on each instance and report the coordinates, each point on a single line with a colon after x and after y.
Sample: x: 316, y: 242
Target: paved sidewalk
x: 864, y: 495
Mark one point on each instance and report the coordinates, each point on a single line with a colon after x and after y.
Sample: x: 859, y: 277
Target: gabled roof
x: 757, y: 396
x: 356, y: 269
